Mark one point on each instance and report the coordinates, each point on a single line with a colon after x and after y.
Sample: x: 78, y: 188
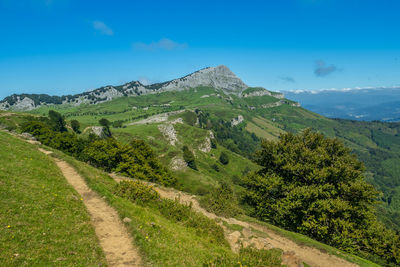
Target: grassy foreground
x: 42, y: 219
x: 163, y: 241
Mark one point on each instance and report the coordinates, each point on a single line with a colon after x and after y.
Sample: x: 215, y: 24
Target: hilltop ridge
x: 220, y: 78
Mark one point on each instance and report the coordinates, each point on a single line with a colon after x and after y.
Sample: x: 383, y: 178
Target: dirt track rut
x: 114, y: 238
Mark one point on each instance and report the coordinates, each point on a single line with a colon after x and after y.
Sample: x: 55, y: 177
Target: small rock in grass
x: 126, y: 220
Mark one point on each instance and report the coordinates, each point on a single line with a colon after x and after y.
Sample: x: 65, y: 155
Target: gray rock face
x: 236, y: 121
x: 21, y: 104
x: 219, y: 77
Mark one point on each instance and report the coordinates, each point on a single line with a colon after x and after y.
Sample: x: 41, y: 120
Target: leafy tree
x: 189, y: 158
x: 117, y: 124
x: 224, y: 158
x: 57, y: 121
x: 76, y: 126
x: 213, y: 143
x: 104, y: 122
x: 314, y: 185
x: 106, y: 127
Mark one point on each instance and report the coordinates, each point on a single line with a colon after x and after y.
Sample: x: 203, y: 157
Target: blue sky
x: 69, y: 46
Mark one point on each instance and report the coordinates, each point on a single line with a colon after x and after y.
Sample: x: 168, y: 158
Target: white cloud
x: 163, y: 44
x: 102, y: 27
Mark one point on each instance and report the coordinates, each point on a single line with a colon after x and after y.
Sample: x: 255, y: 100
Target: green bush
x: 224, y: 158
x: 314, y: 185
x: 215, y: 167
x: 221, y: 201
x: 136, y: 191
x: 57, y: 121
x: 136, y: 159
x: 189, y: 158
x: 76, y: 126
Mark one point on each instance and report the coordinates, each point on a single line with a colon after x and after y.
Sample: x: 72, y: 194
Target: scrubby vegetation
x: 222, y: 201
x: 135, y: 159
x: 235, y: 138
x: 313, y: 185
x: 189, y: 158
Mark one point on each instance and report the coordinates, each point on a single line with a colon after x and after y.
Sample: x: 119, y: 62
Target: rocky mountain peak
x: 220, y: 77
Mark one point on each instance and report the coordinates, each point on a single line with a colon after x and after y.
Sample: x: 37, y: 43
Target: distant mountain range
x: 367, y: 104
x: 219, y: 77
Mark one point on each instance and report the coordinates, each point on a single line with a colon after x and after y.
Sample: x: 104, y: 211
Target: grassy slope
x: 160, y: 246
x: 162, y: 249
x: 42, y: 220
x: 161, y: 241
x: 377, y: 144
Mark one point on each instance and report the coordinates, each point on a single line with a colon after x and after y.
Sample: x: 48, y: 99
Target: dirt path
x: 257, y: 236
x: 114, y: 238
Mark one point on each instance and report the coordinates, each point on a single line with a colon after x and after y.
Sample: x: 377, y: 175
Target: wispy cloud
x: 322, y: 69
x: 102, y: 28
x: 287, y: 79
x: 163, y: 44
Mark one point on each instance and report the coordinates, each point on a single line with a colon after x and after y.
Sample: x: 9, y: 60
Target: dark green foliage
x: 117, y: 124
x: 76, y: 126
x: 57, y: 121
x: 235, y: 138
x: 189, y: 158
x: 249, y: 257
x: 106, y: 127
x: 215, y: 167
x: 313, y: 185
x: 224, y: 158
x: 136, y: 192
x: 37, y: 99
x: 213, y: 143
x: 64, y: 141
x: 135, y: 160
x: 189, y: 117
x: 104, y: 122
x: 221, y: 201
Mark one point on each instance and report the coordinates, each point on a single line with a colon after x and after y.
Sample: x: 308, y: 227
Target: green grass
x: 161, y: 241
x: 42, y: 220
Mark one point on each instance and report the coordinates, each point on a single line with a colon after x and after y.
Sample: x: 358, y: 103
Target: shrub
x: 189, y: 158
x: 215, y: 167
x: 136, y: 191
x: 224, y: 158
x: 213, y: 143
x: 75, y: 125
x: 106, y: 127
x: 117, y: 124
x: 314, y: 185
x: 57, y: 121
x: 221, y: 201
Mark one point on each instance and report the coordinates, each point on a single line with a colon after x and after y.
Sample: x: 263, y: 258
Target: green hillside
x: 375, y: 143
x: 166, y: 235
x: 206, y: 141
